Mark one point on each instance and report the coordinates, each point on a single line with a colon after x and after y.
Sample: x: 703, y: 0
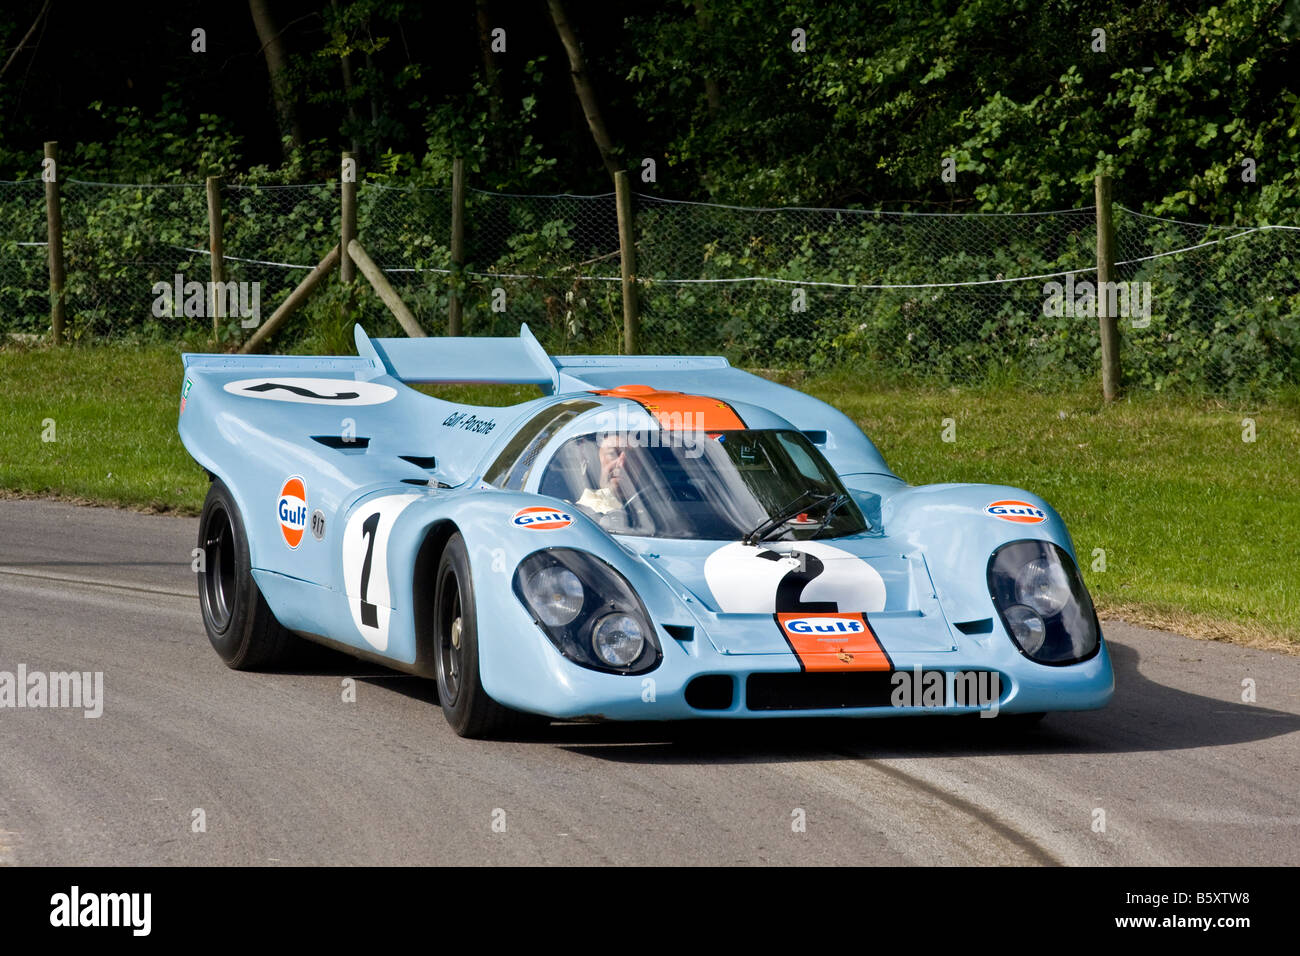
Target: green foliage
x: 1016, y: 94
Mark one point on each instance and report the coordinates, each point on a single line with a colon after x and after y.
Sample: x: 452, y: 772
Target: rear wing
x: 465, y: 360
x: 504, y: 361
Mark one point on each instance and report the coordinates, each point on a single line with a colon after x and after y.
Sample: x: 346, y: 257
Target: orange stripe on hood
x: 678, y: 411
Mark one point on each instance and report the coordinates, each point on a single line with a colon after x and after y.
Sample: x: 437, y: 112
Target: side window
x: 511, y: 468
x: 798, y: 453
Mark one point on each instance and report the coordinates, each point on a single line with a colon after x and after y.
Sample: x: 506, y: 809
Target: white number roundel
x: 365, y: 565
x: 805, y: 576
x: 313, y: 391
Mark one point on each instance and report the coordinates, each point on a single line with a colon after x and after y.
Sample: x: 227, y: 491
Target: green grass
x: 1199, y: 527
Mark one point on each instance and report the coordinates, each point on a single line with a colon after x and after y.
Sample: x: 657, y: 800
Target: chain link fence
x: 24, y: 271
x: 944, y: 297
x: 1224, y: 305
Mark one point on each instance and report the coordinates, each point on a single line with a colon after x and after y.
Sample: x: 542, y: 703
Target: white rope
x: 255, y: 186
x: 488, y: 192
x: 645, y: 280
x: 1202, y: 245
x: 82, y: 182
x: 855, y: 212
x: 1198, y: 225
x: 256, y: 262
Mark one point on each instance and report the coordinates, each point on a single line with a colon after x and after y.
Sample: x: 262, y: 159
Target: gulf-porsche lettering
x: 541, y: 519
x: 1021, y: 512
x: 467, y: 422
x: 827, y: 625
x: 291, y: 509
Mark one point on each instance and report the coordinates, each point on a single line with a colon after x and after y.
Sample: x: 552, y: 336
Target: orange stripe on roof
x: 677, y: 411
x: 834, y: 648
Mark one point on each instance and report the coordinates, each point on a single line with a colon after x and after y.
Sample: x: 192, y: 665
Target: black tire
x: 468, y: 708
x: 240, y: 625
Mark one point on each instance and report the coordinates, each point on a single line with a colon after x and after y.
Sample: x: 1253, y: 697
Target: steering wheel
x: 668, y: 492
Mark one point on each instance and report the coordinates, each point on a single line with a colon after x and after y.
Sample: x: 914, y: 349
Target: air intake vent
x: 679, y: 632
x: 818, y: 690
x: 341, y: 443
x: 710, y: 692
x: 984, y: 626
x: 428, y: 461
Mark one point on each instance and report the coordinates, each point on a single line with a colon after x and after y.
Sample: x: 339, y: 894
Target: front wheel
x: 240, y: 625
x: 466, y: 705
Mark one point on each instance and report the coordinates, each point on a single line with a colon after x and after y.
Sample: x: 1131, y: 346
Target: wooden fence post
x: 216, y: 248
x: 348, y: 178
x: 627, y: 258
x: 54, y: 238
x: 454, y: 304
x: 296, y: 298
x: 386, y: 290
x: 1109, y: 327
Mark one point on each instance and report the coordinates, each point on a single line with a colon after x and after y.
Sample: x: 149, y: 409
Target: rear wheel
x: 466, y: 705
x: 240, y: 625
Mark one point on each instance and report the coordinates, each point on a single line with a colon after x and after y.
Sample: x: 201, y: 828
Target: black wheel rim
x: 218, y: 589
x: 451, y: 644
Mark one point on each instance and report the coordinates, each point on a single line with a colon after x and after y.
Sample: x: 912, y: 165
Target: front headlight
x: 555, y: 593
x: 617, y: 639
x: 1043, y: 603
x: 588, y: 610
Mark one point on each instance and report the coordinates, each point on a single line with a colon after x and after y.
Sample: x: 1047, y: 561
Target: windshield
x: 719, y: 487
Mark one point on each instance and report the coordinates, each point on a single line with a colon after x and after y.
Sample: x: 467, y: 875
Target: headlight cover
x: 610, y: 630
x: 554, y: 593
x: 1043, y: 603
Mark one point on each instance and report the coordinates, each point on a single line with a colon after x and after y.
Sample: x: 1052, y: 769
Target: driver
x: 619, y: 472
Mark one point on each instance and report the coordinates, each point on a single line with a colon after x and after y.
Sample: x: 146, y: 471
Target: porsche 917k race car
x: 654, y: 538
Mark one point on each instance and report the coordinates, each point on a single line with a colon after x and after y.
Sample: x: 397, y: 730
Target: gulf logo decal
x: 1021, y: 512
x: 823, y: 625
x: 292, y: 510
x: 538, y: 518
x: 833, y: 641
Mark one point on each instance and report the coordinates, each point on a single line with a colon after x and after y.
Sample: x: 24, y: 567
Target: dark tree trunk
x: 582, y: 86
x: 277, y: 64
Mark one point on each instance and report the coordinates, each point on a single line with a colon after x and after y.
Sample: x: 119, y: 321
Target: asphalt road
x: 1178, y: 769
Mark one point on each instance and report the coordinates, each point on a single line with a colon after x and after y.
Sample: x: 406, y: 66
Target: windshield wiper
x: 768, y: 525
x: 841, y: 499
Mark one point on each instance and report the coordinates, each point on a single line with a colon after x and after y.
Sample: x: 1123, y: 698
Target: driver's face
x: 614, y: 471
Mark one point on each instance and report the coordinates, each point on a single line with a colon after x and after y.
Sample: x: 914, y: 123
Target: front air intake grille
x: 818, y: 691
x: 710, y: 692
x: 833, y: 691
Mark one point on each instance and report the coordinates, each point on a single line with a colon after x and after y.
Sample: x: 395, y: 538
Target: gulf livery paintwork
x: 391, y: 472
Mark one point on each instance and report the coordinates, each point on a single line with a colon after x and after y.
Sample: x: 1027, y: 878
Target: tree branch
x: 27, y: 36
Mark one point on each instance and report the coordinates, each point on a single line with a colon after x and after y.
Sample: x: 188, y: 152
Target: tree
x: 583, y: 88
x: 277, y: 67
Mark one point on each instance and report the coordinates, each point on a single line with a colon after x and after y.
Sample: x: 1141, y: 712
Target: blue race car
x: 655, y: 538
